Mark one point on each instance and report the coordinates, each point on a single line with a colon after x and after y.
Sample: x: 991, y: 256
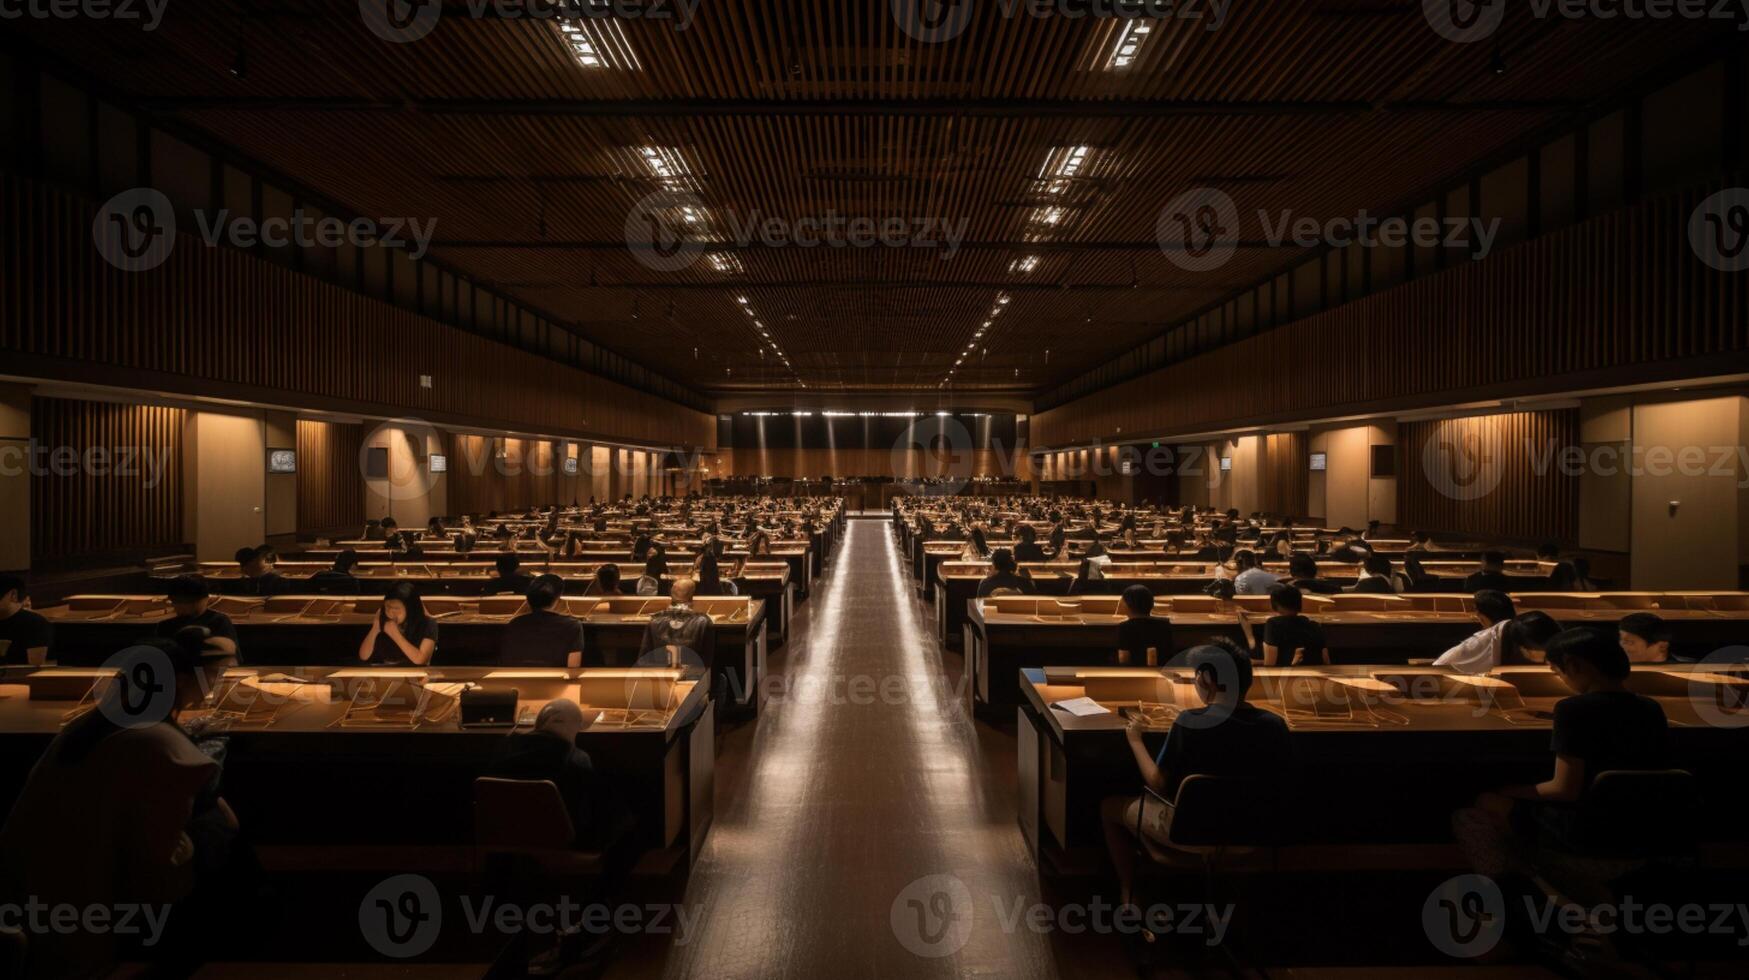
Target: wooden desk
x: 1412, y: 759
x: 307, y: 780
x: 1010, y: 633
x: 327, y: 630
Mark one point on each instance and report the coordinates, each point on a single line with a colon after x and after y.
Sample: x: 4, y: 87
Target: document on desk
x: 1082, y: 707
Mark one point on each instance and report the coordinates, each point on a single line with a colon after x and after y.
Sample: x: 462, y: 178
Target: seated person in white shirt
x: 1481, y: 652
x: 1251, y: 579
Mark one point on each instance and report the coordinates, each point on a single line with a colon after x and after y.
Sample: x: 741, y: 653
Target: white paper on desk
x: 1082, y: 707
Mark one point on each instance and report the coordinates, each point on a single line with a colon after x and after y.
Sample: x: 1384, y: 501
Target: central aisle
x: 865, y: 827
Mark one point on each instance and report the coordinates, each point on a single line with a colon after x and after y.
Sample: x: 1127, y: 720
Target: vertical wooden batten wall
x: 1491, y: 475
x: 123, y: 503
x: 330, y: 481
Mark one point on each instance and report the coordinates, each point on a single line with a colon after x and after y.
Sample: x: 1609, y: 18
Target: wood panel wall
x: 1621, y: 296
x: 1493, y: 475
x: 91, y: 505
x: 530, y: 473
x: 1283, y: 477
x: 815, y: 463
x: 330, y: 480
x: 220, y: 321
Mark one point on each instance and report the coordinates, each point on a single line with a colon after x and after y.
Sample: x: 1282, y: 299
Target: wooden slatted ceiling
x: 878, y: 317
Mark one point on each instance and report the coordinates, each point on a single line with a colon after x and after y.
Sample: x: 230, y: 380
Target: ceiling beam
x: 577, y: 245
x: 696, y: 108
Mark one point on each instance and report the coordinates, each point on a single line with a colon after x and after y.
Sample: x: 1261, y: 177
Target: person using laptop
x: 542, y: 637
x: 25, y: 632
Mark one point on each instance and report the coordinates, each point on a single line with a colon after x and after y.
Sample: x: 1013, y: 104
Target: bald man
x: 550, y: 752
x: 679, y: 627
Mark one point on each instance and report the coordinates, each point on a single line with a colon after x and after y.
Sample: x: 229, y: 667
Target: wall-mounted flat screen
x: 437, y: 464
x: 1320, y: 462
x: 1226, y: 463
x: 570, y: 466
x: 282, y: 461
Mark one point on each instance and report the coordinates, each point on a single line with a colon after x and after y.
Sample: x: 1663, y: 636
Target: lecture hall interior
x: 874, y: 488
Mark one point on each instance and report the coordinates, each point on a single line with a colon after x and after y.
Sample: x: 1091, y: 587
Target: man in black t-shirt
x: 258, y: 577
x: 337, y: 579
x: 1005, y: 576
x: 26, y: 633
x: 190, y: 598
x: 1603, y: 727
x: 1289, y: 639
x: 1492, y: 577
x: 1142, y: 637
x: 542, y: 637
x: 1303, y: 571
x: 1228, y: 737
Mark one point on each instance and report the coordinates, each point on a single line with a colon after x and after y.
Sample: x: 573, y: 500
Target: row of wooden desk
x: 1006, y: 634
x: 327, y: 631
x: 1383, y: 754
x: 312, y: 764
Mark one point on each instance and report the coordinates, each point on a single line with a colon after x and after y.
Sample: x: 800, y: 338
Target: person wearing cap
x: 550, y: 752
x: 542, y: 637
x: 1142, y: 637
x: 1005, y: 576
x: 1228, y: 736
x: 116, y: 811
x: 190, y: 602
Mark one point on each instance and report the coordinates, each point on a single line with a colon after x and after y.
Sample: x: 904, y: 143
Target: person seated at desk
x: 1005, y: 577
x: 550, y: 752
x: 511, y: 580
x: 190, y: 599
x: 1251, y: 579
x: 121, y: 810
x: 1492, y: 577
x: 258, y: 577
x: 1028, y: 548
x: 1228, y: 737
x: 977, y: 547
x: 1645, y: 638
x: 759, y: 544
x: 1526, y: 638
x: 1375, y: 577
x: 393, y: 539
x: 435, y: 528
x: 401, y: 635
x: 1303, y: 574
x: 25, y: 632
x: 606, y: 581
x: 650, y: 583
x: 1142, y: 637
x: 1509, y: 832
x: 707, y: 572
x: 1481, y: 652
x: 542, y: 637
x: 1289, y: 638
x: 679, y: 628
x: 338, y: 579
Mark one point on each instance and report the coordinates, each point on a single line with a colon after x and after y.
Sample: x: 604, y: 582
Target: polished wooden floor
x: 864, y: 777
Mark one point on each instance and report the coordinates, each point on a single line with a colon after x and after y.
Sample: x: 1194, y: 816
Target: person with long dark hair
x: 401, y: 634
x: 655, y: 567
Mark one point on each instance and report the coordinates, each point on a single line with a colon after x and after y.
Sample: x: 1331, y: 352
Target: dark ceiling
x: 531, y: 162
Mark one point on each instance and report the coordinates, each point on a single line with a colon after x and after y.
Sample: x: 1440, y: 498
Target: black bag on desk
x: 488, y: 709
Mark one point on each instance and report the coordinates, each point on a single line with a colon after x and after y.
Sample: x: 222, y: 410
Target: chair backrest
x: 1625, y: 812
x: 520, y: 814
x: 1222, y: 811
